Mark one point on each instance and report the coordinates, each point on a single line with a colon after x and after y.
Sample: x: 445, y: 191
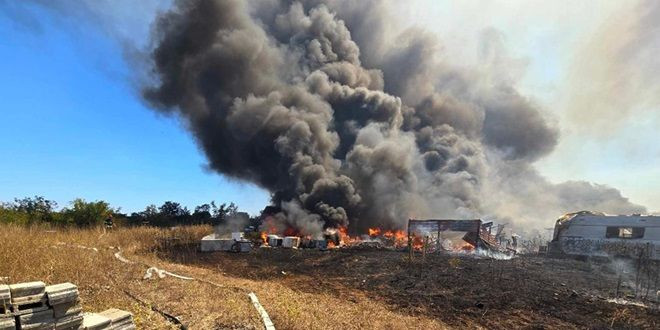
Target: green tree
x: 220, y: 213
x: 172, y: 213
x: 10, y: 215
x: 85, y: 214
x: 37, y: 208
x: 202, y: 214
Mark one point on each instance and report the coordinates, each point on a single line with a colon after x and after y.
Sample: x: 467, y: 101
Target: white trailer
x: 596, y: 234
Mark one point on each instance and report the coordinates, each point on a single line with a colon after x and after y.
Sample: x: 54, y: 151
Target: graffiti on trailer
x: 581, y: 246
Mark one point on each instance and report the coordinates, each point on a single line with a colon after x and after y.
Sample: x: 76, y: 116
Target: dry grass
x: 30, y: 254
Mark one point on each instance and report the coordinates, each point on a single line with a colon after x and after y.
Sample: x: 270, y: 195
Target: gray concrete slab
x: 118, y: 316
x: 65, y: 309
x: 27, y: 289
x: 5, y: 294
x: 69, y: 322
x: 7, y: 323
x: 92, y: 321
x: 61, y: 293
x: 38, y: 320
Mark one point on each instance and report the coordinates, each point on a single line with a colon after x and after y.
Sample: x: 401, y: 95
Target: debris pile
x: 33, y: 305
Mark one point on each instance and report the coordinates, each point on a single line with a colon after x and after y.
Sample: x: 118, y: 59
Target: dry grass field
x: 68, y: 255
x: 310, y: 289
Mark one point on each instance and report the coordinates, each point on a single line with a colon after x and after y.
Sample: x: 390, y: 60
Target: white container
x: 211, y: 243
x: 291, y: 242
x: 274, y: 240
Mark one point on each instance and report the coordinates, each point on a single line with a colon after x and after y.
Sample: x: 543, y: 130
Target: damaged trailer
x: 457, y: 235
x: 595, y: 234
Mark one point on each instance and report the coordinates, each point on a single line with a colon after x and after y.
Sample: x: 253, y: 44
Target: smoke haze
x: 349, y: 120
x: 312, y: 101
x: 613, y: 78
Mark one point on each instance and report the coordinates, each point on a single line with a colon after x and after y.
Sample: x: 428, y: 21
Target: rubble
x: 33, y: 305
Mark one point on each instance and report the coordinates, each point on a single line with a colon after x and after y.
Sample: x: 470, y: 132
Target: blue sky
x: 72, y: 126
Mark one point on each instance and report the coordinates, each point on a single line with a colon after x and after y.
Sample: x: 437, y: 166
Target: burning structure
x: 457, y: 235
x: 588, y: 233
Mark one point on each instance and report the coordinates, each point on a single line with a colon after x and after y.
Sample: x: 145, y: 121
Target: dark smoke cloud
x: 344, y: 124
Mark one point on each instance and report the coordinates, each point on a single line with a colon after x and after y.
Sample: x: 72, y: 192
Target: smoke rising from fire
x: 615, y: 71
x: 313, y: 102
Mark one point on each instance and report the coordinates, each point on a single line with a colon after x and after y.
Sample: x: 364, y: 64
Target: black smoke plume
x: 348, y: 125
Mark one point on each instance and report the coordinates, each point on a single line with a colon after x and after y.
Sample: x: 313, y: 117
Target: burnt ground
x: 531, y: 292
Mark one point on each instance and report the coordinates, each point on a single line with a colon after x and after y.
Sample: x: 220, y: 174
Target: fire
x: 291, y: 232
x: 264, y: 237
x: 397, y: 238
x: 331, y: 245
x: 374, y: 232
x: 417, y: 243
x: 345, y: 238
x: 465, y: 247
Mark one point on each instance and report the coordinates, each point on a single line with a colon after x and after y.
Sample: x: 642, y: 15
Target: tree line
x: 81, y: 213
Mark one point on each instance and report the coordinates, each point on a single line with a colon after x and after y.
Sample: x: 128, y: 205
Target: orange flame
x: 374, y: 232
x: 264, y: 237
x: 417, y: 243
x: 466, y: 247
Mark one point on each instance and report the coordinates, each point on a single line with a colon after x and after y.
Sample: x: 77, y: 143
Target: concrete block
x: 5, y: 294
x: 38, y: 320
x: 120, y: 320
x: 17, y: 301
x: 61, y: 293
x: 7, y: 323
x: 27, y: 289
x: 66, y: 309
x: 5, y: 301
x: 92, y: 321
x: 69, y: 322
x: 291, y: 242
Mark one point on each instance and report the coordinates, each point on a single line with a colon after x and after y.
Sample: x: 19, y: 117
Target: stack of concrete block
x: 65, y: 303
x: 35, y: 306
x: 119, y: 319
x: 37, y: 320
x: 6, y: 318
x: 28, y: 304
x: 92, y: 321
